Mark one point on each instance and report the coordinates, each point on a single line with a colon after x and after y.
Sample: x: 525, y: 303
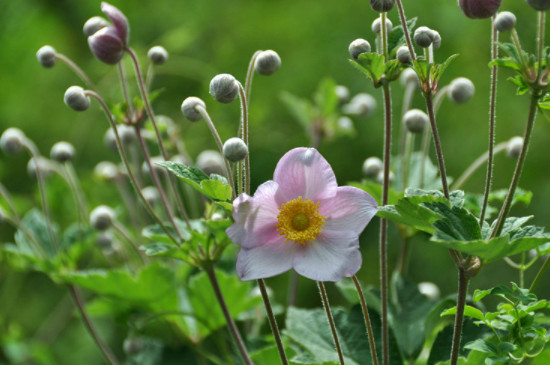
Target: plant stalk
x: 272, y: 322
x: 368, y: 325
x: 330, y: 319
x: 459, y: 318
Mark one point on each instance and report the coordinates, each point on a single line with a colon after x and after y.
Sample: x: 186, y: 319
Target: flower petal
x: 106, y: 45
x: 350, y: 210
x: 265, y: 261
x: 256, y: 217
x: 304, y: 172
x: 328, y: 259
x: 119, y: 21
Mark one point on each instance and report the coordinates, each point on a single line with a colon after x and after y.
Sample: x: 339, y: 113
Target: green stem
x: 230, y: 323
x: 77, y: 70
x: 541, y: 19
x: 76, y: 189
x: 330, y: 319
x: 124, y: 87
x: 406, y: 32
x: 492, y: 110
x: 438, y: 150
x: 539, y: 274
x: 244, y: 112
x: 272, y: 322
x: 477, y: 164
x: 517, y: 43
x: 129, y: 239
x: 459, y: 318
x: 250, y: 75
x: 366, y: 316
x: 519, y: 165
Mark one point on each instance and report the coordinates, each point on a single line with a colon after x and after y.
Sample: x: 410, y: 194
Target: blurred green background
x: 207, y: 37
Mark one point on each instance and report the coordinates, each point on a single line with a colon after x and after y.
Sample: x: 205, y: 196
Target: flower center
x: 299, y: 221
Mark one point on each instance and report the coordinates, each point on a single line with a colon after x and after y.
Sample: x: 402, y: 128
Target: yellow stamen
x: 299, y: 221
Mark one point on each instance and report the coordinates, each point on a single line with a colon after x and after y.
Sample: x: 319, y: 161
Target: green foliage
x: 430, y: 74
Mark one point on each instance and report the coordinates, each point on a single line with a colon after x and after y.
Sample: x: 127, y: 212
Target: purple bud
x: 106, y: 45
x: 119, y: 21
x: 479, y: 9
x: 540, y: 5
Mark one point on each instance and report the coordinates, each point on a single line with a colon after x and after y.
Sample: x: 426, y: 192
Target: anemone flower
x: 301, y: 220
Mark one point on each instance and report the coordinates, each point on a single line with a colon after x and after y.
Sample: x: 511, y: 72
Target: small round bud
x: 514, y: 147
x: 267, y: 62
x: 380, y: 177
x: 155, y: 160
x: 182, y: 159
x: 382, y: 5
x: 224, y: 88
x: 234, y: 149
x: 151, y: 194
x: 62, y: 152
x: 361, y: 104
x: 76, y: 99
x: 46, y: 56
x: 376, y: 26
x: 158, y: 55
x: 409, y: 77
x: 423, y: 37
x: 540, y: 5
x: 358, y: 47
x: 403, y: 54
x: 12, y: 141
x: 44, y: 166
x: 126, y: 133
x: 102, y: 217
x: 189, y: 108
x: 429, y: 289
x: 505, y: 21
x: 345, y: 124
x: 416, y: 120
x: 342, y: 92
x: 133, y: 346
x: 211, y: 162
x: 461, y: 90
x: 109, y: 139
x: 479, y: 9
x: 107, y: 170
x: 372, y: 166
x: 94, y: 24
x: 437, y: 39
x: 105, y: 240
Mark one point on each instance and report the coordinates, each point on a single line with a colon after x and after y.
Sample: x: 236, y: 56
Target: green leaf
x: 326, y: 98
x: 469, y: 311
x: 520, y: 196
x: 441, y: 348
x: 393, y: 69
x: 430, y: 176
x: 438, y: 70
x: 506, y: 63
x: 456, y: 224
x: 372, y: 65
x: 482, y: 346
x: 375, y: 190
x: 396, y: 37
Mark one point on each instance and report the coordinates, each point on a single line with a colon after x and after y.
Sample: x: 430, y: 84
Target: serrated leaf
x: 216, y: 190
x: 372, y: 65
x: 438, y: 70
x: 456, y: 224
x: 393, y: 69
x: 397, y: 36
x: 482, y: 346
x: 192, y: 175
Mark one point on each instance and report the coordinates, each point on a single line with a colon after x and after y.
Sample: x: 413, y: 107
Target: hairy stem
x: 438, y: 150
x: 330, y: 319
x: 406, y: 32
x: 459, y: 318
x: 366, y: 316
x: 244, y: 113
x: 272, y: 322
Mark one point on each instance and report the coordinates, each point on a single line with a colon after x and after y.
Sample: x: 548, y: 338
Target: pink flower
x: 301, y: 220
x: 108, y: 43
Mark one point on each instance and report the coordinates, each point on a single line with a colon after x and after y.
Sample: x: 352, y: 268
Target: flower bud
x: 267, y: 62
x: 380, y: 177
x: 189, y: 108
x: 416, y: 120
x: 345, y: 124
x: 109, y: 139
x: 358, y: 47
x: 107, y: 170
x: 159, y: 170
x: 105, y: 241
x: 461, y: 90
x: 540, y: 5
x: 46, y: 56
x: 106, y: 45
x: 119, y: 21
x: 423, y: 37
x: 372, y: 166
x: 127, y: 134
x: 409, y: 76
x: 94, y: 24
x: 211, y: 162
x: 403, y: 54
x: 44, y: 166
x: 133, y: 346
x: 224, y: 88
x: 376, y: 26
x: 158, y: 55
x: 429, y: 289
x: 234, y: 149
x: 151, y: 194
x: 342, y: 92
x: 382, y: 5
x: 361, y: 104
x: 102, y: 217
x: 514, y: 147
x: 76, y: 99
x: 62, y: 152
x: 479, y: 9
x: 505, y: 21
x: 437, y: 39
x: 12, y: 141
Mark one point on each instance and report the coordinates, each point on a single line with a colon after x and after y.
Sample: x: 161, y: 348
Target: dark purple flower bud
x: 119, y: 21
x: 479, y: 9
x: 540, y: 5
x: 107, y: 45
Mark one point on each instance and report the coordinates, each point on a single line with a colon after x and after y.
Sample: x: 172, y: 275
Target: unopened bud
x: 479, y: 9
x: 540, y: 5
x: 12, y: 141
x: 234, y: 149
x: 267, y: 62
x: 118, y: 19
x: 158, y: 55
x: 361, y: 104
x: 505, y: 21
x: 105, y: 241
x: 224, y: 88
x: 514, y: 147
x: 44, y: 166
x: 107, y: 170
x: 133, y: 346
x: 376, y: 26
x: 382, y: 5
x: 429, y: 289
x: 403, y: 54
x: 151, y: 194
x: 126, y: 133
x: 155, y: 160
x: 94, y: 24
x: 76, y: 99
x: 46, y: 56
x: 372, y: 166
x: 106, y: 45
x: 342, y: 92
x: 380, y: 177
x: 189, y: 108
x: 345, y: 124
x: 436, y: 39
x: 358, y: 47
x: 62, y: 152
x: 409, y: 77
x: 416, y: 120
x: 102, y: 217
x: 211, y: 162
x: 461, y: 90
x: 423, y: 37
